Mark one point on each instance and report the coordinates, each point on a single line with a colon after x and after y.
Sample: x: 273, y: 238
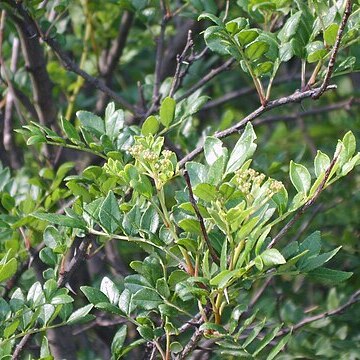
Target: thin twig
x: 160, y: 53
x: 354, y: 298
x: 200, y: 218
x: 179, y: 61
x: 295, y: 97
x: 20, y: 346
x: 336, y: 47
x: 308, y: 203
x: 346, y: 105
x: 223, y: 67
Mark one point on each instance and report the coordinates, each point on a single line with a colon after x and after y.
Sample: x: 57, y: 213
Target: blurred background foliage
x: 88, y: 31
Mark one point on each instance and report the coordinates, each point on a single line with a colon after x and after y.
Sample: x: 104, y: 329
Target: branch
x: 354, y: 298
x: 20, y: 346
x: 35, y: 63
x: 308, y: 203
x: 346, y: 105
x: 190, y: 346
x: 225, y: 66
x: 110, y: 58
x: 293, y: 98
x: 332, y: 60
x: 79, y: 256
x: 33, y: 31
x: 200, y: 218
x: 179, y: 61
x: 160, y: 52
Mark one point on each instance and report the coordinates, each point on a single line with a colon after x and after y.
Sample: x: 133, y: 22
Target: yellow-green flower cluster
x: 160, y: 167
x: 251, y: 184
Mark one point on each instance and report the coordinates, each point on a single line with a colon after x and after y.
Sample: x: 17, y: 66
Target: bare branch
x: 335, y: 50
x: 79, y: 256
x: 160, y: 52
x: 179, y: 61
x: 353, y: 299
x: 214, y: 72
x: 295, y: 97
x: 190, y: 346
x: 110, y: 59
x: 33, y: 31
x: 346, y: 105
x: 20, y: 346
x: 200, y: 218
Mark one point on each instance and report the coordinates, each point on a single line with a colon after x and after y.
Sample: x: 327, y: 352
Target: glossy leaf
x: 167, y: 111
x: 300, y: 177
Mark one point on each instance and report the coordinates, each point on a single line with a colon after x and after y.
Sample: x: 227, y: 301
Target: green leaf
x: 286, y: 51
x: 131, y: 221
x: 312, y: 243
x: 176, y: 347
x: 349, y: 143
x: 150, y: 126
x: 61, y: 299
x: 266, y: 340
x: 118, y: 342
x: 290, y: 27
x: 213, y: 149
x: 330, y: 34
x: 52, y: 237
x: 329, y: 276
x: 125, y: 302
x: 109, y: 214
x: 246, y: 36
x: 254, y: 333
x: 213, y: 327
x: 147, y: 299
x: 94, y: 295
x: 79, y: 315
x: 321, y: 163
x: 315, y: 51
x: 114, y: 122
x: 7, y: 201
x: 263, y: 68
x: 280, y: 345
x: 62, y: 220
x: 243, y: 150
x: 8, y: 269
x: 91, y: 122
x: 235, y: 25
x: 312, y: 263
x: 214, y: 40
x: 197, y: 173
x: 211, y: 17
x: 111, y: 291
x: 190, y: 225
x: 167, y: 111
x: 35, y: 139
x: 162, y: 287
x: 9, y: 330
x: 300, y: 177
x: 69, y: 129
x: 222, y: 279
x: 272, y: 257
x: 150, y: 220
x: 256, y: 50
x: 205, y: 192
